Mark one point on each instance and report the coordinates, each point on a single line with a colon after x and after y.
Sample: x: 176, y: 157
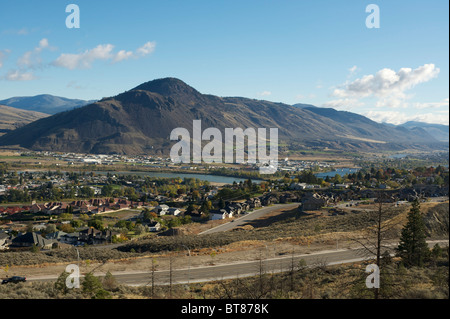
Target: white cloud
x: 432, y: 105
x: 17, y: 75
x: 84, y: 60
x: 32, y: 59
x: 146, y: 49
x: 387, y: 83
x: 23, y: 31
x: 265, y: 93
x: 43, y: 44
x: 101, y: 52
x: 395, y: 117
x: 123, y: 55
x: 352, y: 71
x: 3, y: 54
x: 343, y: 104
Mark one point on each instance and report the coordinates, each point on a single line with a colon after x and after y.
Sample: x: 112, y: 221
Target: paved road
x: 249, y: 217
x: 267, y: 264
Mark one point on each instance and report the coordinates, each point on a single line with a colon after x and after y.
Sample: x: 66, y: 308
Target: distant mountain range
x: 12, y: 118
x: 139, y: 121
x: 438, y: 131
x: 44, y: 103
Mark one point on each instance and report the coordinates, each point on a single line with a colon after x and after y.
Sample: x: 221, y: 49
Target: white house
x: 154, y: 226
x: 173, y: 211
x: 218, y: 214
x: 161, y: 209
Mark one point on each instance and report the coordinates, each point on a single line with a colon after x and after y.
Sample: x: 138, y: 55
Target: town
x: 51, y: 209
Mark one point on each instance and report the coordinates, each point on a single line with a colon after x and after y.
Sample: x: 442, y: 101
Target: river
x: 340, y: 171
x: 204, y: 177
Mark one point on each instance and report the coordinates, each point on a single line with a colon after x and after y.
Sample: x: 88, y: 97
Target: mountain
x: 12, y: 118
x: 139, y: 121
x: 369, y: 129
x: 44, y: 103
x: 438, y: 131
x: 303, y: 106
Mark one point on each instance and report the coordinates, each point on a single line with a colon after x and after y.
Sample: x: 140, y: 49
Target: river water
x: 203, y: 177
x: 340, y: 171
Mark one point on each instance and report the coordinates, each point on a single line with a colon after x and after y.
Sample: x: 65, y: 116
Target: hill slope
x: 438, y: 131
x: 44, y: 103
x: 139, y: 121
x: 12, y: 118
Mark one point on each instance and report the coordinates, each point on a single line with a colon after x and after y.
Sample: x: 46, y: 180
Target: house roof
x: 32, y: 238
x: 56, y: 235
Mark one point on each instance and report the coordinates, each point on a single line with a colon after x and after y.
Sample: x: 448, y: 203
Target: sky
x: 321, y: 52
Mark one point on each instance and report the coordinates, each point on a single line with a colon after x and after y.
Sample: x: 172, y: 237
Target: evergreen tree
x: 413, y: 248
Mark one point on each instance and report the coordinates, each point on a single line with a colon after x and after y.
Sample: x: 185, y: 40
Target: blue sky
x: 315, y: 52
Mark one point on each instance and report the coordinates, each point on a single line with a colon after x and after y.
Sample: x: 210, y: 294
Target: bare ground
x: 237, y: 251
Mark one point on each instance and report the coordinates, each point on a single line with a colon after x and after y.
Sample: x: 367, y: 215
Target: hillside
x: 12, y: 118
x: 438, y: 131
x: 139, y: 121
x: 44, y: 103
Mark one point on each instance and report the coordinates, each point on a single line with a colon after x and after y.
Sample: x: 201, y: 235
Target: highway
x: 267, y: 264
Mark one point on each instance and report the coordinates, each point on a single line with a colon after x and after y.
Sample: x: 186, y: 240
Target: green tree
x: 91, y: 284
x: 60, y: 283
x: 413, y: 248
x: 109, y: 282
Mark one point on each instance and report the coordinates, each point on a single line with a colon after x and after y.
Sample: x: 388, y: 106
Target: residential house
x: 5, y: 240
x: 173, y: 211
x: 297, y: 186
x: 161, y: 210
x: 268, y: 199
x: 37, y: 208
x: 154, y: 226
x: 55, y: 208
x: 196, y: 215
x: 32, y: 239
x: 93, y: 236
x: 288, y: 198
x: 218, y: 214
x: 39, y: 227
x: 313, y: 202
x: 254, y: 202
x: 234, y: 208
x: 71, y: 239
x: 56, y: 235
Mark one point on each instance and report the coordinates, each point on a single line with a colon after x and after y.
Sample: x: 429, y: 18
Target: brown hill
x: 12, y: 118
x: 139, y: 121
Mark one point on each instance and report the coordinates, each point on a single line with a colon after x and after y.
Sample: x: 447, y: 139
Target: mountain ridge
x: 44, y: 103
x: 12, y: 118
x: 140, y: 120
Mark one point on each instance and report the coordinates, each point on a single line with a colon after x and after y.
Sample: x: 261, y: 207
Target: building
x: 218, y: 214
x: 32, y: 239
x: 313, y: 202
x: 173, y: 211
x: 161, y: 210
